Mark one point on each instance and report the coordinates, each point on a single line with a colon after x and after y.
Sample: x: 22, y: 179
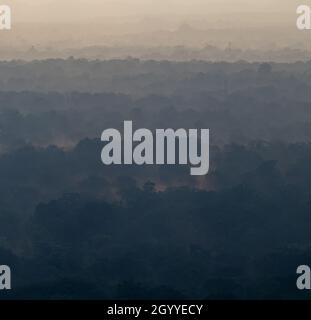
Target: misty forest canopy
x: 98, y: 231
x: 238, y: 102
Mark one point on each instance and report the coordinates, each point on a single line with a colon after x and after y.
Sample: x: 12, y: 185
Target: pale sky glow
x: 61, y: 23
x: 81, y: 10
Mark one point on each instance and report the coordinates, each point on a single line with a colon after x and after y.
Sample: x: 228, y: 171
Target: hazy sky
x: 73, y: 10
x: 62, y: 23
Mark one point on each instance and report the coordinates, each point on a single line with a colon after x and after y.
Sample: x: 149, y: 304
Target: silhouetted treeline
x: 172, y: 52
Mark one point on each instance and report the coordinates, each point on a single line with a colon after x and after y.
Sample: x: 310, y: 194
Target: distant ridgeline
x: 5, y: 17
x: 304, y: 18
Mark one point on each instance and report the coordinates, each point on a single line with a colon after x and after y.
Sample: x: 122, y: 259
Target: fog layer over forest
x: 74, y: 228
